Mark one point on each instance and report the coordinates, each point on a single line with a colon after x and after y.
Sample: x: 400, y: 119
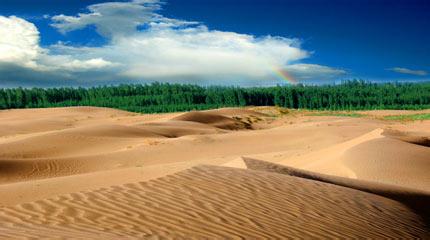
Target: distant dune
x: 264, y: 172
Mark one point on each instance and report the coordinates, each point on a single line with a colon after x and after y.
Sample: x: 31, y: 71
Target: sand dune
x: 372, y: 157
x: 174, y: 129
x: 22, y: 121
x: 419, y: 138
x: 215, y: 202
x: 216, y: 120
x: 416, y: 199
x: 86, y: 172
x: 28, y: 191
x: 391, y: 161
x: 73, y: 142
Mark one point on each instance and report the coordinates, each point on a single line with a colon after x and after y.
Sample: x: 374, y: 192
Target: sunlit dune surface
x: 215, y: 202
x: 256, y: 172
x: 414, y: 198
x: 372, y: 157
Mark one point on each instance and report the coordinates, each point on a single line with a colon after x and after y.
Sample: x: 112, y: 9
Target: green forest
x: 165, y: 97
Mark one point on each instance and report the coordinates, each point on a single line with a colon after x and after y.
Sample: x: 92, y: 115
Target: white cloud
x: 19, y: 41
x: 303, y: 71
x: 19, y: 45
x: 94, y: 63
x: 69, y: 63
x: 195, y: 52
x: 118, y: 19
x: 111, y: 18
x: 408, y: 71
x: 203, y: 53
x: 166, y: 50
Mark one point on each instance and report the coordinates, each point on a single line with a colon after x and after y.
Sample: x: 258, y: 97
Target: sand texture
x: 254, y: 173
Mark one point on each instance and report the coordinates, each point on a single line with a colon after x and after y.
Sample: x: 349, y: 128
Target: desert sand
x: 257, y: 172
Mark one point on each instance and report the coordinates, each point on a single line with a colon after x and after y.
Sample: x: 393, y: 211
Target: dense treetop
x: 164, y: 97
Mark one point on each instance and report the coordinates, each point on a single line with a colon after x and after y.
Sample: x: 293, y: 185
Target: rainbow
x: 284, y: 75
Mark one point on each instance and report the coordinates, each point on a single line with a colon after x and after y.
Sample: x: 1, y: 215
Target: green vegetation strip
x: 164, y: 97
x: 410, y: 117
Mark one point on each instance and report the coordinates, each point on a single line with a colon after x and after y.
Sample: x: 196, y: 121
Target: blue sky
x: 213, y: 42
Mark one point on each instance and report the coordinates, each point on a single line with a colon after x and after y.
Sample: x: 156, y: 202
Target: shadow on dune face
x: 9, y: 166
x: 410, y: 137
x: 215, y: 120
x: 21, y: 170
x: 416, y: 200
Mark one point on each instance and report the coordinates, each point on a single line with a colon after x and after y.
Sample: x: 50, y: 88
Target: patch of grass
x: 273, y: 112
x: 338, y: 114
x: 284, y: 111
x: 410, y: 117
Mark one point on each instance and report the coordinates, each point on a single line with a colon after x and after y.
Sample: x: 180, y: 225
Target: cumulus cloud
x: 19, y: 41
x: 19, y: 45
x: 164, y: 50
x: 195, y: 52
x: 408, y: 71
x: 198, y: 51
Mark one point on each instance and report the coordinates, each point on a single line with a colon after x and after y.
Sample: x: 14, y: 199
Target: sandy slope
x: 372, y: 157
x: 415, y: 199
x: 214, y: 202
x: 135, y: 142
x: 49, y: 156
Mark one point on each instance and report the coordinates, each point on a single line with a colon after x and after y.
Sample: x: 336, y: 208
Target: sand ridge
x: 373, y: 157
x: 414, y: 198
x: 215, y: 202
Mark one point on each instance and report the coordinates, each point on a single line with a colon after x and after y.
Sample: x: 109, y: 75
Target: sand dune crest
x: 415, y: 199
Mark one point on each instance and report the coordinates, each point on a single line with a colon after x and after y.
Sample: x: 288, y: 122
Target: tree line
x: 165, y: 97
